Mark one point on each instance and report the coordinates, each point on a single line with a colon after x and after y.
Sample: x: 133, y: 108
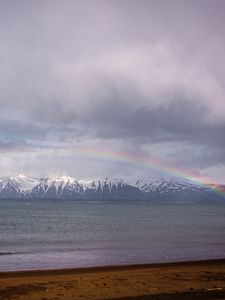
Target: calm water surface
x: 74, y: 234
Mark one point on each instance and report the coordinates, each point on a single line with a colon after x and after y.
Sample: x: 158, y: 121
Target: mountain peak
x: 63, y: 178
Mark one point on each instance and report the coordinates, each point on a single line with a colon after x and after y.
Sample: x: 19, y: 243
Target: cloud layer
x: 143, y: 76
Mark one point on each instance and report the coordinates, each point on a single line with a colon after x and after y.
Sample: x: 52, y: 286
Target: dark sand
x: 179, y: 281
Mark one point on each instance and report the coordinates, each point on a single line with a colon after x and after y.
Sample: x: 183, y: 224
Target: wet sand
x: 179, y: 281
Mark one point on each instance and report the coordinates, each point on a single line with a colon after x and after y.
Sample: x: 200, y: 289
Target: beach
x: 187, y: 280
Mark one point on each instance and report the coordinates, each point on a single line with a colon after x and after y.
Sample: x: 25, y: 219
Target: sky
x: 142, y: 77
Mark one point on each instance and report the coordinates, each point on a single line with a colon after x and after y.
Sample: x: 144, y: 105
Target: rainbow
x: 144, y: 162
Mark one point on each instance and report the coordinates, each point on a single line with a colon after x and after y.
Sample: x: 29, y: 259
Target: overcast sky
x: 144, y: 77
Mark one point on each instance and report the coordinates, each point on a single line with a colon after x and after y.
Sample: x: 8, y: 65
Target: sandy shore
x: 189, y: 280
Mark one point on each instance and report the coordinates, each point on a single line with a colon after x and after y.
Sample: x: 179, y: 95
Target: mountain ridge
x: 157, y: 189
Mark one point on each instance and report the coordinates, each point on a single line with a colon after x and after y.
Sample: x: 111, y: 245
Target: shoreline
x: 202, y: 279
x: 74, y: 270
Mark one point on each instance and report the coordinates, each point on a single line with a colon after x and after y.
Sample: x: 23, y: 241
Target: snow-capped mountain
x: 17, y: 185
x: 176, y: 190
x: 152, y: 188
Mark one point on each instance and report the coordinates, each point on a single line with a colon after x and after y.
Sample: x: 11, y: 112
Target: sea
x: 69, y: 234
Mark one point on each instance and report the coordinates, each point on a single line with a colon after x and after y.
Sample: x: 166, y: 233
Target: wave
x: 12, y: 253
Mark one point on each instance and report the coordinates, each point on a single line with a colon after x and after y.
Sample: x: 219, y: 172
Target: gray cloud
x: 139, y: 75
x: 15, y: 146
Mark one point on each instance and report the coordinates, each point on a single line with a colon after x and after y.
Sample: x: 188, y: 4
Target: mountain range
x: 152, y: 188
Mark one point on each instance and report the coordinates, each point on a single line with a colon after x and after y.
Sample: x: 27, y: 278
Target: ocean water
x: 39, y: 235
